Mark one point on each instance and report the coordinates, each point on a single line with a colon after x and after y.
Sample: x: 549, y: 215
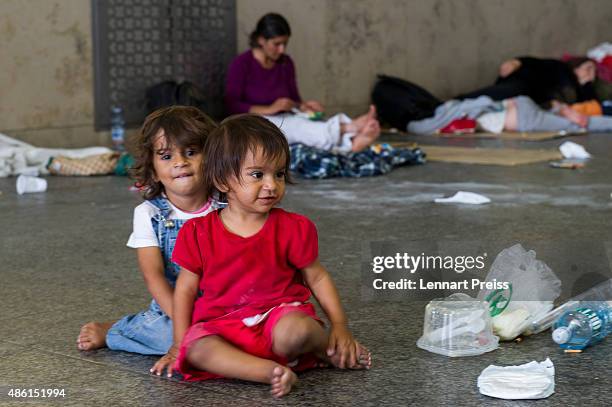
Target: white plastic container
x: 458, y: 325
x: 27, y: 184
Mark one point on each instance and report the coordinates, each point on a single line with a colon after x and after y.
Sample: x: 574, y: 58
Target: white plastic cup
x: 27, y: 184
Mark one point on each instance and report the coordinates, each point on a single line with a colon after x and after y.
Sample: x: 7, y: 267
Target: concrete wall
x: 448, y: 46
x: 46, y: 80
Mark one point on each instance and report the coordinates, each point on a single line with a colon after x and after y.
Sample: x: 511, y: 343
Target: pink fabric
x: 256, y: 340
x: 202, y: 209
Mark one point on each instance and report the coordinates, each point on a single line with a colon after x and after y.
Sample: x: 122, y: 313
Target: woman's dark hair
x: 227, y: 146
x: 269, y: 26
x: 576, y: 62
x: 182, y: 126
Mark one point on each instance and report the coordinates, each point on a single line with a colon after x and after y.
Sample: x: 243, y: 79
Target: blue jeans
x: 150, y: 332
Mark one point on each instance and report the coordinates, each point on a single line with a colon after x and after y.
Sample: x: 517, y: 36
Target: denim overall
x: 150, y: 332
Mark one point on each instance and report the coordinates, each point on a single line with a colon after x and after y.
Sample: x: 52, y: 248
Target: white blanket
x: 17, y: 157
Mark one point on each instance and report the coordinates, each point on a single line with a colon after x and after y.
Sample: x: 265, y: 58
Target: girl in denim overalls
x: 169, y: 169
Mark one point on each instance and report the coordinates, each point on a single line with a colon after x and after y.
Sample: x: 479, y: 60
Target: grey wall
x: 448, y: 46
x: 46, y: 75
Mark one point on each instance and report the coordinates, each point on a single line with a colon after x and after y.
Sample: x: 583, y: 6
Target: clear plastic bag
x: 533, y: 289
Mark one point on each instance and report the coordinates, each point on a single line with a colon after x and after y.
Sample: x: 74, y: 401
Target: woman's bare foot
x: 93, y: 335
x: 282, y: 380
x: 366, y: 136
x: 573, y: 116
x: 360, y: 121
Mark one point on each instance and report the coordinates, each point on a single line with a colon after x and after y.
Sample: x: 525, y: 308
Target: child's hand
x: 342, y: 349
x: 166, y: 362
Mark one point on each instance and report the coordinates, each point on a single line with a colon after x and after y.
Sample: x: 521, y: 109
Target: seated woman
x: 262, y: 80
x: 514, y: 114
x: 543, y: 80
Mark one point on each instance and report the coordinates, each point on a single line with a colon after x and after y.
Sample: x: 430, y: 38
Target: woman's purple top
x: 248, y: 83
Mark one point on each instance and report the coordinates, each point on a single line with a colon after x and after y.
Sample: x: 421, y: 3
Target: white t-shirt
x: 143, y: 234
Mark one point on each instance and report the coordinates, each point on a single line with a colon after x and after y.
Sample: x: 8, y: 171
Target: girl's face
x: 274, y: 47
x: 179, y: 170
x: 261, y: 187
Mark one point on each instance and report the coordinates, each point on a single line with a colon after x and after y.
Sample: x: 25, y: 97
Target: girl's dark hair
x: 227, y: 146
x: 182, y: 126
x: 269, y: 26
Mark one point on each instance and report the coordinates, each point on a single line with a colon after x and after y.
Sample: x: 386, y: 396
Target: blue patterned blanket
x: 313, y: 163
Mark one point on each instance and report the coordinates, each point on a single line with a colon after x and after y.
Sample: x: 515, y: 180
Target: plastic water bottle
x: 584, y: 326
x: 600, y: 292
x: 117, y: 128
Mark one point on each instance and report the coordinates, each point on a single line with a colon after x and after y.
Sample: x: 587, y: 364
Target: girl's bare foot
x: 93, y: 335
x: 364, y: 359
x: 366, y: 136
x: 282, y: 380
x: 573, y: 116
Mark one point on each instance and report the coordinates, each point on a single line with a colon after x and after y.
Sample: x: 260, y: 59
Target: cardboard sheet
x: 531, y: 136
x: 507, y: 135
x: 485, y: 156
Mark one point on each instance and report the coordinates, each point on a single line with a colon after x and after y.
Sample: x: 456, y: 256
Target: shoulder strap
x: 161, y: 204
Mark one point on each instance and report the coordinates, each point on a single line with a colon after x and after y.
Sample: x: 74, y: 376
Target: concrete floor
x: 64, y: 262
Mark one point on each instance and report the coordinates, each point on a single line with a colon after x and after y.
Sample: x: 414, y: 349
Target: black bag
x: 170, y: 93
x: 398, y: 101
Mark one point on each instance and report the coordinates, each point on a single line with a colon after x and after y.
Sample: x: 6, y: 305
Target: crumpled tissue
x: 533, y: 380
x: 465, y: 198
x: 569, y: 149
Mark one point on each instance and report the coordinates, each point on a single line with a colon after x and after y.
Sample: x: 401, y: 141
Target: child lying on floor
x: 241, y: 305
x: 516, y: 114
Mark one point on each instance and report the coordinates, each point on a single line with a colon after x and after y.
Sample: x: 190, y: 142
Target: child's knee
x: 292, y: 335
x: 199, y: 353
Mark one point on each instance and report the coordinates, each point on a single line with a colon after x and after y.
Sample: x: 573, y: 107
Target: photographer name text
x: 420, y: 284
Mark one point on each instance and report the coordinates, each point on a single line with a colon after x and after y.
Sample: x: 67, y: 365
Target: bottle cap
x: 561, y: 335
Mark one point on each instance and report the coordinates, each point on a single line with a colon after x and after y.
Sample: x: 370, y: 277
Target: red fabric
x: 256, y: 340
x: 458, y: 126
x: 241, y: 277
x: 607, y: 61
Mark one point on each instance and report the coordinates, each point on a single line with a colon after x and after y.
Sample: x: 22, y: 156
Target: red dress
x: 244, y: 277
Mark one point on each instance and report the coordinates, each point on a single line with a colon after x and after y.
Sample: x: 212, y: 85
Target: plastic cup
x: 27, y: 184
x: 458, y: 325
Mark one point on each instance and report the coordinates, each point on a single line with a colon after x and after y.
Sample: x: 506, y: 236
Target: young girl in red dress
x: 241, y: 304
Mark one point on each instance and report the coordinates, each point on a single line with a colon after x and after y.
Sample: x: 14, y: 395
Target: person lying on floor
x: 543, y: 80
x: 262, y: 81
x: 515, y: 114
